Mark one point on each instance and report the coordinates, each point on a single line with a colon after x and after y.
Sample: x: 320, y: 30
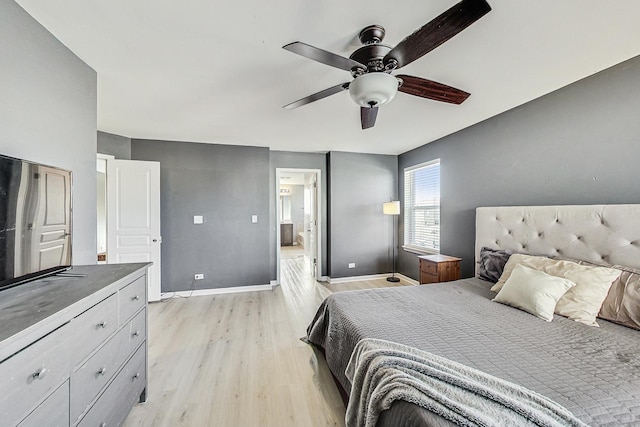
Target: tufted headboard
x: 607, y: 234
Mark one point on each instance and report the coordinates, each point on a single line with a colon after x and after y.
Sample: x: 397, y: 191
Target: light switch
x: 198, y: 219
x: 254, y: 219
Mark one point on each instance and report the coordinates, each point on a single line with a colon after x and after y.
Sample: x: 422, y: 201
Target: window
x: 422, y: 207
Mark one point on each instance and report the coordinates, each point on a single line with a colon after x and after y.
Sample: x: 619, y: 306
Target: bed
x: 594, y: 372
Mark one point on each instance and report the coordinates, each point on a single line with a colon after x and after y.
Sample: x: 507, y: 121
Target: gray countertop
x: 32, y: 310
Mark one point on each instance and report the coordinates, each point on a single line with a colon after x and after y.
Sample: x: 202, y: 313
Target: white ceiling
x: 214, y: 71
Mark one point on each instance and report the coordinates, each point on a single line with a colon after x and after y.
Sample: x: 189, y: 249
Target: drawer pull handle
x: 136, y: 376
x: 136, y: 334
x: 102, y: 324
x: 135, y: 298
x: 102, y: 371
x: 40, y: 374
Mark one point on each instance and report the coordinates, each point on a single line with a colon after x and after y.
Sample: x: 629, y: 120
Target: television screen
x: 35, y: 220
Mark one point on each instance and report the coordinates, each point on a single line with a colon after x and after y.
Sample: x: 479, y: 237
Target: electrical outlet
x: 352, y: 265
x: 199, y: 276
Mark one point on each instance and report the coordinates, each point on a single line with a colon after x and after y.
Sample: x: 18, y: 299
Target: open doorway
x: 298, y: 222
x: 101, y: 198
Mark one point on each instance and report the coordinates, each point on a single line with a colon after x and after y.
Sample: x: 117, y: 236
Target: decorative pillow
x: 531, y: 261
x: 533, y: 291
x: 492, y: 263
x: 582, y: 303
x: 622, y: 304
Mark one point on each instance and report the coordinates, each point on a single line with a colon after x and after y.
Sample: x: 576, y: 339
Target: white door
x: 133, y: 217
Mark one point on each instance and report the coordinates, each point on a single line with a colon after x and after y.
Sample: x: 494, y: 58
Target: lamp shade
x: 373, y: 89
x: 391, y: 208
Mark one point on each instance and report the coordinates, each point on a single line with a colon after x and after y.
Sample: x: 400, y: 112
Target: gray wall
x: 48, y: 113
x: 115, y: 145
x: 294, y: 160
x: 226, y: 184
x: 358, y: 186
x: 578, y: 145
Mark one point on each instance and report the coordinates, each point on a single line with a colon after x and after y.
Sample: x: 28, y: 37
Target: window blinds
x: 422, y: 206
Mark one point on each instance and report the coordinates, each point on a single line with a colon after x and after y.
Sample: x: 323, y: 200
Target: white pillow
x: 582, y: 303
x: 533, y: 291
x: 531, y: 261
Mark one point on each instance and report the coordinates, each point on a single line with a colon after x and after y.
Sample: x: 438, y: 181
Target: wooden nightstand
x: 439, y: 268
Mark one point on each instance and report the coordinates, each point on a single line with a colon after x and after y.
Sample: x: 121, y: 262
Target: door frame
x: 319, y: 218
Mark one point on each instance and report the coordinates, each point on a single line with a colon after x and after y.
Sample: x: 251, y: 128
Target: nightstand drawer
x: 428, y: 278
x: 439, y: 268
x: 428, y: 267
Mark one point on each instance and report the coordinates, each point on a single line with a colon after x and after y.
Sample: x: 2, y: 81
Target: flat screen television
x: 35, y: 221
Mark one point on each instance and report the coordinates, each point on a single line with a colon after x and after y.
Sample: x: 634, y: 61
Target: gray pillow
x: 492, y: 263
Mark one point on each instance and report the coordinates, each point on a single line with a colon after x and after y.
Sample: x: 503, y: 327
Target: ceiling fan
x: 371, y: 65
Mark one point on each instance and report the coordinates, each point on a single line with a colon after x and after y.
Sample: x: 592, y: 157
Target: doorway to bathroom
x: 298, y: 223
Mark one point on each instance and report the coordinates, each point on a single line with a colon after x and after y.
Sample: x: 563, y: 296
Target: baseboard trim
x: 335, y: 280
x: 407, y: 279
x: 402, y: 277
x: 216, y: 291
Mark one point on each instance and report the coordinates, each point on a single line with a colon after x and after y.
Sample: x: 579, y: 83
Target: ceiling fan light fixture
x: 373, y: 89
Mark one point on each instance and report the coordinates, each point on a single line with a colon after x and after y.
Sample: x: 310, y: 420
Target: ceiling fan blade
x: 323, y: 56
x: 368, y: 116
x: 432, y: 90
x: 316, y: 96
x: 438, y: 31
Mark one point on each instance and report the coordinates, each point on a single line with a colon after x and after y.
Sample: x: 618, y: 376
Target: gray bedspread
x: 382, y: 372
x: 593, y: 372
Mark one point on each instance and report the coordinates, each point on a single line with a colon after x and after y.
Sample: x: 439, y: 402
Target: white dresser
x: 73, y: 350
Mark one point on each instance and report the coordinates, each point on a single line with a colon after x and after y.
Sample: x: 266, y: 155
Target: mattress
x: 593, y: 372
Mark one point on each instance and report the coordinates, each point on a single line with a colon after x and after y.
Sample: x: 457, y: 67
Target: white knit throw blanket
x: 382, y: 372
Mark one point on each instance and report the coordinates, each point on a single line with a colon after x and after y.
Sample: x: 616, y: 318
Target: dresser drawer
x: 53, y: 412
x: 95, y: 373
x: 93, y: 327
x: 32, y: 374
x: 132, y: 298
x: 114, y: 404
x: 137, y: 331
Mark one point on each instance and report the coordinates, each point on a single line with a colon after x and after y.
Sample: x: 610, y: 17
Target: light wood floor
x: 237, y: 359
